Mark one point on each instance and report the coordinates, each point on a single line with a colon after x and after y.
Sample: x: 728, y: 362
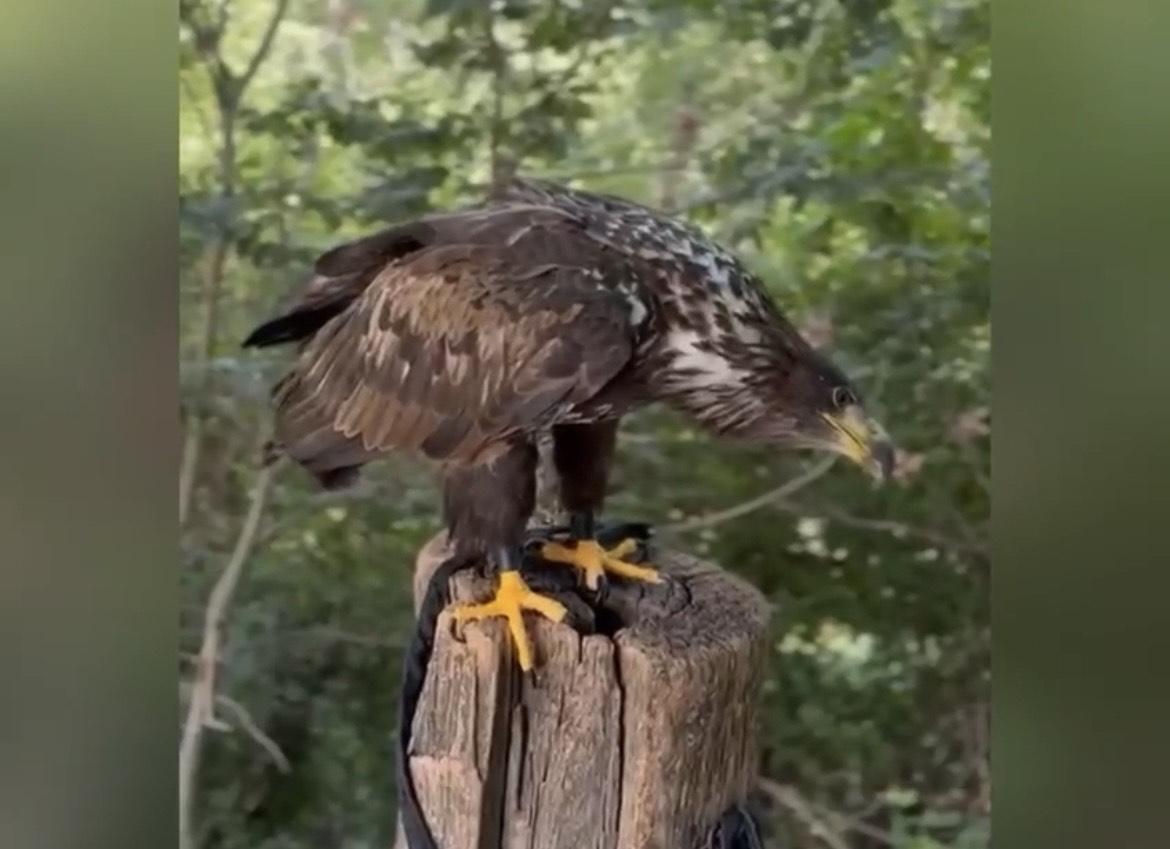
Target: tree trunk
x: 637, y: 737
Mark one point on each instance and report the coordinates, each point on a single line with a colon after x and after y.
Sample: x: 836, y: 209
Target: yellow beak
x: 863, y: 441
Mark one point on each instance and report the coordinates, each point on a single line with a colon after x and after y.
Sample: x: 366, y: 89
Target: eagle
x: 464, y: 336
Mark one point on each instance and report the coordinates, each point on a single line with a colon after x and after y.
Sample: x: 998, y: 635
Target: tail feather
x: 292, y: 326
x: 332, y: 480
x: 342, y: 274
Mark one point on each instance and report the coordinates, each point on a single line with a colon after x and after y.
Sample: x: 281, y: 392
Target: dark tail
x: 293, y: 326
x: 343, y: 273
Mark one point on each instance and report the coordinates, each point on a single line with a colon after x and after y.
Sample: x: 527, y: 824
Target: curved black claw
x: 553, y: 579
x: 562, y: 586
x: 598, y: 553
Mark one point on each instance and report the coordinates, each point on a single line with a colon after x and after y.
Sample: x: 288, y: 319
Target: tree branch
x: 889, y: 526
x: 244, y: 721
x: 188, y: 465
x: 248, y: 725
x: 228, y: 99
x: 818, y: 817
x: 200, y: 712
x: 263, y: 47
x: 783, y: 491
x: 793, y: 801
x: 213, y: 282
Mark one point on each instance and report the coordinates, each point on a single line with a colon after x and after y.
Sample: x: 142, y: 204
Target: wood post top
x: 639, y: 736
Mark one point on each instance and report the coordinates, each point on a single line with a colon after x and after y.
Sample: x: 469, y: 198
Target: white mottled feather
x: 712, y: 368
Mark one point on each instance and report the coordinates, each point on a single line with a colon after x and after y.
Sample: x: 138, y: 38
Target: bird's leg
x: 583, y: 455
x: 512, y: 598
x: 585, y: 552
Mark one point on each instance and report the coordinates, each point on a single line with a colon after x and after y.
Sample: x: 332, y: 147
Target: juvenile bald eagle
x: 462, y: 336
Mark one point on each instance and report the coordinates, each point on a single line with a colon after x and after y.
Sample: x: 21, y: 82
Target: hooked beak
x: 863, y: 441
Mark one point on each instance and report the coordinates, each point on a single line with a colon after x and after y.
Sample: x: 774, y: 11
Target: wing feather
x: 454, y: 348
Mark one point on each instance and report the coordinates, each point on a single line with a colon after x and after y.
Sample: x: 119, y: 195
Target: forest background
x: 840, y: 147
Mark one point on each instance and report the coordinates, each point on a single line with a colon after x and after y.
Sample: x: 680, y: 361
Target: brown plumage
x: 448, y: 334
x: 447, y: 352
x: 497, y: 325
x: 463, y: 335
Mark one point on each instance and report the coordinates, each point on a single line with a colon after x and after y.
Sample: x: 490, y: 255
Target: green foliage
x: 840, y: 147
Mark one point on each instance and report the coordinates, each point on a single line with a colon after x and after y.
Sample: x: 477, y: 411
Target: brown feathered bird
x: 462, y: 336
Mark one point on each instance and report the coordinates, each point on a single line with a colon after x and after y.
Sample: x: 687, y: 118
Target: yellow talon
x: 595, y: 561
x: 512, y: 598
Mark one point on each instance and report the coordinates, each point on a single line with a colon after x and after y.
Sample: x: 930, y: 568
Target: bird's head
x: 823, y: 410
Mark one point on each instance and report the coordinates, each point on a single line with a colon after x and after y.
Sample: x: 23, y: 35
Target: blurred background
x: 841, y: 148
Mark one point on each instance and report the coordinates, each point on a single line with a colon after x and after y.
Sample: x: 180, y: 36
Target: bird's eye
x: 843, y: 397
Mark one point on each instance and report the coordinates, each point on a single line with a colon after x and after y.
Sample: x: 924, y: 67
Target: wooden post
x: 638, y: 737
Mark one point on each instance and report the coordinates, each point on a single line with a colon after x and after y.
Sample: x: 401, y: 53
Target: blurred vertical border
x: 88, y: 424
x: 1081, y: 183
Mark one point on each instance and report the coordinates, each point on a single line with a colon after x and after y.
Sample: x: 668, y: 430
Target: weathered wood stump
x: 636, y: 737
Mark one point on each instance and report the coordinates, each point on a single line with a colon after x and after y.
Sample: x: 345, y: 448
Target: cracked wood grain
x: 635, y: 739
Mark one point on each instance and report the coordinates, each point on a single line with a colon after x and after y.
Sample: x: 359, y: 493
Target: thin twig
x: 249, y: 726
x: 842, y: 823
x: 244, y: 722
x: 200, y: 711
x: 783, y: 491
x: 791, y: 799
x: 213, y: 282
x: 228, y: 97
x: 889, y: 526
x: 264, y: 46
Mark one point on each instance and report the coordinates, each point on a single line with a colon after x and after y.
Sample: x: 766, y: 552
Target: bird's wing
x: 339, y: 277
x: 341, y: 274
x: 452, y: 348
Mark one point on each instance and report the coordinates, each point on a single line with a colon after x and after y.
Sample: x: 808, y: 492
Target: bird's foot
x: 512, y: 598
x: 596, y: 562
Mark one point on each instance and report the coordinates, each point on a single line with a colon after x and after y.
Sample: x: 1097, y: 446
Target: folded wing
x: 447, y: 351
